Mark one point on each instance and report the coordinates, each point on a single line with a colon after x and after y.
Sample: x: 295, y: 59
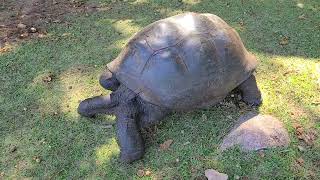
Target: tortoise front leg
x: 250, y: 91
x: 129, y: 139
x: 99, y: 104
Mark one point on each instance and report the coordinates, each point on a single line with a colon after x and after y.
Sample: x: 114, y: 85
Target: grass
x: 43, y: 137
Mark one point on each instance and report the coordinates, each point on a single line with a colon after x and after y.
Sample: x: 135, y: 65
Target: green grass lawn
x: 42, y: 136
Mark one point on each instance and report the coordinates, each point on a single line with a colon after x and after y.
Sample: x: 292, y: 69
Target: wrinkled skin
x: 190, y: 73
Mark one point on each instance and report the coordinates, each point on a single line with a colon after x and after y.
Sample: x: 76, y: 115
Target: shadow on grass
x: 42, y: 135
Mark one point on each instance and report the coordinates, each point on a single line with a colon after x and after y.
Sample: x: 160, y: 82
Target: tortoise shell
x: 184, y: 62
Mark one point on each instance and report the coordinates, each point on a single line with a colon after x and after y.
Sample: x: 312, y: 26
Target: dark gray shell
x: 184, y: 62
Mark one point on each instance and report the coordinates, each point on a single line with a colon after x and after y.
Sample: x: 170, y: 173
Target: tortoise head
x: 108, y: 81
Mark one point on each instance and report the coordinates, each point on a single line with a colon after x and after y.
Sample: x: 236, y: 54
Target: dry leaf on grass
x: 166, y: 144
x: 47, y: 79
x: 308, y: 136
x: 284, y: 41
x: 147, y: 173
x: 300, y: 161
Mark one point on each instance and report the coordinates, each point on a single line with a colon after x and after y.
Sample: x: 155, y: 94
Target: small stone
x: 177, y: 160
x: 21, y: 26
x: 24, y: 35
x: 33, y: 30
x: 215, y: 175
x: 256, y: 132
x: 140, y: 173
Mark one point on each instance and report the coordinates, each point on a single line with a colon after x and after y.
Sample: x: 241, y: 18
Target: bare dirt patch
x: 26, y: 19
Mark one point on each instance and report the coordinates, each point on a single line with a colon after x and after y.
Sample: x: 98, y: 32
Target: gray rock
x: 255, y: 132
x: 212, y: 174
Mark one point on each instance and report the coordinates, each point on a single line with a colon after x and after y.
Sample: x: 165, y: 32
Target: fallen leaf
x: 299, y: 130
x: 215, y: 175
x: 284, y: 41
x: 33, y: 30
x: 288, y: 72
x: 148, y: 173
x: 309, y: 137
x: 166, y: 144
x: 300, y: 161
x: 241, y: 23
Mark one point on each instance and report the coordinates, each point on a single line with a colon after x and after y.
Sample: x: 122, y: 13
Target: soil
x: 27, y: 19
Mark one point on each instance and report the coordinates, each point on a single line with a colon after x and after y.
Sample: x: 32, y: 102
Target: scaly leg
x: 250, y: 92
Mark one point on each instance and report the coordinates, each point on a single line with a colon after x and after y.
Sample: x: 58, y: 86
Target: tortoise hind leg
x: 108, y: 81
x: 251, y: 94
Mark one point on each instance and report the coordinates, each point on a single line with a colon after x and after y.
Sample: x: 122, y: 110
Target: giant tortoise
x: 181, y: 63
